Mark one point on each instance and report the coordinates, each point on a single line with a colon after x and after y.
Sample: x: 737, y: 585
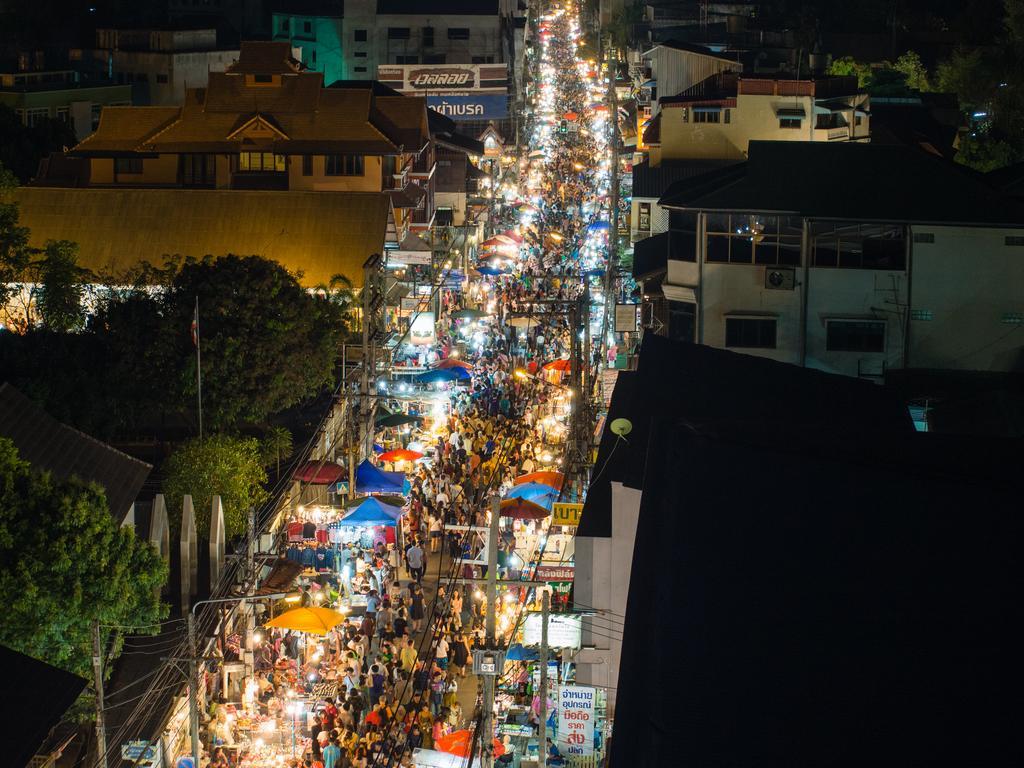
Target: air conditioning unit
x: 779, y: 278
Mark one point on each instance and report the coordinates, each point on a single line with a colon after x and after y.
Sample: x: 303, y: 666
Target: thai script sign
x: 576, y: 714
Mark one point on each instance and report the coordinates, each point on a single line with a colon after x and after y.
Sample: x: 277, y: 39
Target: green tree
x: 14, y: 250
x: 62, y: 288
x: 847, y: 65
x: 64, y: 562
x: 909, y: 64
x: 276, y: 445
x: 266, y: 342
x: 229, y: 467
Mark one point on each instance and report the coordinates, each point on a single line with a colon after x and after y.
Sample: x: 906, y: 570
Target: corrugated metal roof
x: 654, y: 181
x: 319, y: 234
x: 48, y: 445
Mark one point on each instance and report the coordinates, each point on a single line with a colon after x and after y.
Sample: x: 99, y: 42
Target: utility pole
x: 193, y: 684
x: 542, y: 732
x: 491, y: 621
x: 97, y: 671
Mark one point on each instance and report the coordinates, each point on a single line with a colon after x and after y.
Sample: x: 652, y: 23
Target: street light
x: 193, y: 682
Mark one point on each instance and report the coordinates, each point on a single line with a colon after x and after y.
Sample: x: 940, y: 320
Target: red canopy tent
x: 319, y: 473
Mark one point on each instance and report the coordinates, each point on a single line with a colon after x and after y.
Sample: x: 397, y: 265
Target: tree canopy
x: 64, y: 562
x: 230, y: 467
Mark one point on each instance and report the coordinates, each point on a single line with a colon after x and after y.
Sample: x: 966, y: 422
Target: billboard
x: 430, y: 78
x: 471, y: 106
x: 576, y: 715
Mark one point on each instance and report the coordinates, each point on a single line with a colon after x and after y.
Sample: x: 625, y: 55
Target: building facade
x: 317, y: 39
x: 852, y: 276
x: 61, y: 95
x: 160, y: 65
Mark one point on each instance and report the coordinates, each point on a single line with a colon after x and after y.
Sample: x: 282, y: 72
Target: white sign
x: 576, y: 714
x: 422, y: 330
x: 563, y: 631
x: 444, y: 78
x: 626, y: 318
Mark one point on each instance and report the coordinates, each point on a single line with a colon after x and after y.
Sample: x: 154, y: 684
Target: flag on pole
x: 195, y: 326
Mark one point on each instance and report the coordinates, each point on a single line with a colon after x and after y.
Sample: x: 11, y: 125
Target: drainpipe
x: 909, y: 235
x: 701, y: 248
x: 805, y: 258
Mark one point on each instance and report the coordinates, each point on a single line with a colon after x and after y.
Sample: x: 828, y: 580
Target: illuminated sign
x: 470, y: 106
x: 444, y: 77
x: 563, y: 631
x: 576, y: 715
x: 564, y: 513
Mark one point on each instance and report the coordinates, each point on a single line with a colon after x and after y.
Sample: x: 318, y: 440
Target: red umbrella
x: 458, y: 743
x: 521, y: 509
x: 570, y: 116
x: 400, y: 454
x: 562, y: 365
x: 454, y: 362
x: 319, y: 473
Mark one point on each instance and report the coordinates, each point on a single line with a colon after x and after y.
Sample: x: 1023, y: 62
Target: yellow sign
x: 564, y: 513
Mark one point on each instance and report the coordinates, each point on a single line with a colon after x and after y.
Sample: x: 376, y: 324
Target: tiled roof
x: 654, y: 181
x: 317, y: 233
x: 652, y: 133
x: 403, y: 119
x: 122, y: 129
x: 48, y: 445
x: 265, y: 58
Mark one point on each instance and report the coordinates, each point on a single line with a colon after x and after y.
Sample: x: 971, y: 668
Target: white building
x: 849, y: 258
x: 159, y: 64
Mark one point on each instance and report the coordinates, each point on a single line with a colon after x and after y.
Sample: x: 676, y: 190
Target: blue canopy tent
x: 538, y: 493
x: 516, y: 652
x: 491, y: 271
x: 598, y: 226
x: 371, y: 479
x: 454, y: 373
x: 372, y: 512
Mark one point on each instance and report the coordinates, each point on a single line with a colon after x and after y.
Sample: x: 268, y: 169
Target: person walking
x: 416, y: 559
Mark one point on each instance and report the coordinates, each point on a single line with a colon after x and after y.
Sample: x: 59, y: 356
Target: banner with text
x: 566, y: 513
x: 444, y: 78
x: 576, y: 714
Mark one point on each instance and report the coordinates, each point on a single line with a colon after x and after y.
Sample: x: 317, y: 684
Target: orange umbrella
x: 454, y: 362
x: 401, y: 454
x: 521, y: 509
x: 570, y: 116
x: 458, y: 743
x: 562, y: 365
x: 549, y: 478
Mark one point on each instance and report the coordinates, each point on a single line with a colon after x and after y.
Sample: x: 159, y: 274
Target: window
x: 360, y: 69
x: 750, y: 332
x: 95, y: 113
x: 312, y: 56
x: 1013, y: 240
x: 263, y: 79
x: 682, y: 321
x: 398, y: 33
x: 925, y: 315
x: 790, y: 122
x: 161, y: 79
x: 307, y: 165
x: 829, y: 121
x: 344, y: 165
x: 64, y: 114
x: 260, y: 162
x: 924, y: 237
x: 359, y: 36
x: 307, y: 27
x: 482, y: 60
x: 407, y: 59
x: 198, y: 170
x: 141, y: 77
x: 707, y: 115
x: 428, y: 37
x: 855, y: 335
x: 753, y: 239
x: 858, y: 246
x: 360, y: 54
x: 727, y: 115
x: 128, y: 165
x: 458, y: 33
x: 32, y: 117
x: 643, y: 223
x: 284, y: 25
x: 435, y: 58
x: 857, y: 120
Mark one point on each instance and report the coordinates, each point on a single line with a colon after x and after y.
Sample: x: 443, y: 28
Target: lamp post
x: 193, y: 646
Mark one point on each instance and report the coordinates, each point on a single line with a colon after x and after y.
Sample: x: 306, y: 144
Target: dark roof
x: 650, y: 255
x: 912, y: 125
x: 802, y: 597
x: 265, y: 58
x: 36, y: 687
x: 440, y: 7
x: 850, y: 181
x: 376, y: 86
x: 50, y: 446
x: 676, y: 380
x: 652, y: 131
x: 654, y: 181
x: 1009, y: 179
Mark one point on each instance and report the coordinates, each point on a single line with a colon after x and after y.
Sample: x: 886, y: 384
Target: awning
x: 790, y: 112
x: 681, y: 293
x: 281, y: 578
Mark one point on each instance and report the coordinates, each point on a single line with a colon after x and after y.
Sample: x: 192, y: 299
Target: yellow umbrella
x: 318, y: 621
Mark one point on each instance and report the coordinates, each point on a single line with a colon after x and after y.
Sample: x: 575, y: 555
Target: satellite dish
x: 621, y: 427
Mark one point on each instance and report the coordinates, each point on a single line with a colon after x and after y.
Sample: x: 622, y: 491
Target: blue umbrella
x: 490, y: 271
x: 516, y: 652
x: 598, y: 225
x: 538, y: 493
x: 455, y: 373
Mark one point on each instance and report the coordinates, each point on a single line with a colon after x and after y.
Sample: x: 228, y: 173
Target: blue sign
x: 470, y: 106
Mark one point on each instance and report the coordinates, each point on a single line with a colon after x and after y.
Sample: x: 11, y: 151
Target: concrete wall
x: 370, y: 181
x: 179, y: 69
x: 321, y: 49
x: 603, y: 567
